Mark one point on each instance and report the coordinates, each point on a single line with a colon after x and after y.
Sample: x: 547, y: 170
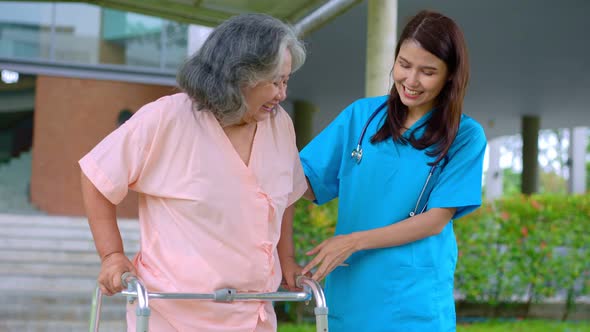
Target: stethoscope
x: 357, y: 154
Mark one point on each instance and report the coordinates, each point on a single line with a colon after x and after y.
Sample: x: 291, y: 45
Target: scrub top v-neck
x: 207, y: 220
x: 408, y: 287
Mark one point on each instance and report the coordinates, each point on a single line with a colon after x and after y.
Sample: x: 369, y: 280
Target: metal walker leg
x: 136, y: 289
x: 320, y: 310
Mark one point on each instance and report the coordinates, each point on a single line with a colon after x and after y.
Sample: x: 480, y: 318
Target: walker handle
x: 321, y: 310
x: 142, y: 311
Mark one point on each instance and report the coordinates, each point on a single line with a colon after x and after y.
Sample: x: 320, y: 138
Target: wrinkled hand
x: 330, y: 254
x: 111, y: 270
x: 291, y: 270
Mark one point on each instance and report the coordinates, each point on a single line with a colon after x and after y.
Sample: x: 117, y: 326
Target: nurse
x: 210, y: 201
x: 421, y: 169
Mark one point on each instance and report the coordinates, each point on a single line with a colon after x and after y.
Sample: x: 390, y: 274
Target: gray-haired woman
x: 216, y: 168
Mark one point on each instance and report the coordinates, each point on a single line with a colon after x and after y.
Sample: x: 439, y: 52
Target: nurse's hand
x: 291, y: 270
x: 112, y: 268
x: 330, y: 254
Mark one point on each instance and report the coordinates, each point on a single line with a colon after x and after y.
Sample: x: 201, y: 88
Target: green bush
x: 490, y: 326
x: 525, y: 249
x: 312, y: 224
x: 515, y: 249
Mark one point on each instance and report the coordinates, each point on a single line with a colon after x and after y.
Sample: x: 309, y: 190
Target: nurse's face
x: 419, y: 76
x: 265, y: 96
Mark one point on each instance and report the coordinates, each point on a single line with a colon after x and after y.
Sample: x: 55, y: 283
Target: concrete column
x: 530, y: 151
x: 577, y: 160
x: 381, y: 40
x: 303, y: 121
x: 494, y: 176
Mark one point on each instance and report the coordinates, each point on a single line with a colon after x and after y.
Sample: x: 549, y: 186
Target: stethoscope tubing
x: 357, y: 153
x: 413, y: 213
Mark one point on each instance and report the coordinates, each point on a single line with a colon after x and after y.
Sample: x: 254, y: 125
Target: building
x: 83, y: 68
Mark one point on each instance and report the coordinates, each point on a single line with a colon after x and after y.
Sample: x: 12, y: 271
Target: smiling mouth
x: 269, y: 107
x: 411, y: 92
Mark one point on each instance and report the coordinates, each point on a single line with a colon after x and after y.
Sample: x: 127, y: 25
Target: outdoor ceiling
x: 212, y: 12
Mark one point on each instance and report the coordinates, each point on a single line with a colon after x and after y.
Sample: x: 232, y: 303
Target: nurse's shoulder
x: 361, y: 109
x: 470, y: 133
x: 469, y: 128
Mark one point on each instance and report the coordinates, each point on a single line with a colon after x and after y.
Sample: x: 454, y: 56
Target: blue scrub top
x: 404, y: 288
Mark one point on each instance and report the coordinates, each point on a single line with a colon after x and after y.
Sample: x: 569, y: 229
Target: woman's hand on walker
x: 291, y: 270
x: 330, y: 254
x: 112, y: 268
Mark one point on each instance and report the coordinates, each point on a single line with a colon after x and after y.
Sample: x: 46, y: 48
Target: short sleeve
x: 299, y: 182
x: 459, y: 184
x: 322, y: 157
x: 117, y: 161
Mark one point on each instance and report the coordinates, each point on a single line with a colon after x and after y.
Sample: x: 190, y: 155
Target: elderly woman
x: 211, y: 201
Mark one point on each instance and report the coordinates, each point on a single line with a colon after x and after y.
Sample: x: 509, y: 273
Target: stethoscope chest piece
x: 357, y: 154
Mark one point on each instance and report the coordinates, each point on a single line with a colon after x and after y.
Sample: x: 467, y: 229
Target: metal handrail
x: 137, y: 291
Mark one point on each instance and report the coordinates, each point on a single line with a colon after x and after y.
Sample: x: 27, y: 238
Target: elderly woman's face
x: 265, y: 96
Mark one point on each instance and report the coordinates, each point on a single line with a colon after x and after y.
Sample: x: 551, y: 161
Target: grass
x: 512, y: 326
x: 526, y: 326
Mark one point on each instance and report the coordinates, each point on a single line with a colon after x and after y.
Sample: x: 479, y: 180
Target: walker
x: 137, y: 291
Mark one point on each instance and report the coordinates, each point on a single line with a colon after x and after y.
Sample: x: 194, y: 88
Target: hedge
x: 525, y: 249
x: 518, y: 249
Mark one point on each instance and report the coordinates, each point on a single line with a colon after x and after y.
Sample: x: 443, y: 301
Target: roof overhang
x: 305, y: 15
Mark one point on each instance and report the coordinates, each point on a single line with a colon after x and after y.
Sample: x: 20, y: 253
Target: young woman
x: 416, y: 166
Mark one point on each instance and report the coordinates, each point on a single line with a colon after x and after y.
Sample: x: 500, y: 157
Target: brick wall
x: 71, y: 116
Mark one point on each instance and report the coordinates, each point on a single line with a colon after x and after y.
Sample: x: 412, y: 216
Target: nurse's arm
x: 102, y: 220
x: 334, y: 251
x: 412, y: 229
x: 309, y: 194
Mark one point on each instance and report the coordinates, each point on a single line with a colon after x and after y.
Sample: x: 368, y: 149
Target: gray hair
x: 242, y: 51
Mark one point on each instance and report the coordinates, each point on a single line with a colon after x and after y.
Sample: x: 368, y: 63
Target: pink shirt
x: 207, y: 220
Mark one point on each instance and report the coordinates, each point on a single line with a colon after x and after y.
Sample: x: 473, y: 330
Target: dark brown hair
x: 442, y: 37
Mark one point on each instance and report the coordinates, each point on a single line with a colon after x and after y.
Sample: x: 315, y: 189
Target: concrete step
x: 43, y: 256
x: 53, y: 285
x: 65, y: 308
x: 64, y: 234
x: 13, y: 325
x: 58, y: 232
x: 48, y: 270
x: 14, y: 185
x: 47, y: 244
x: 57, y: 245
x: 19, y: 220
